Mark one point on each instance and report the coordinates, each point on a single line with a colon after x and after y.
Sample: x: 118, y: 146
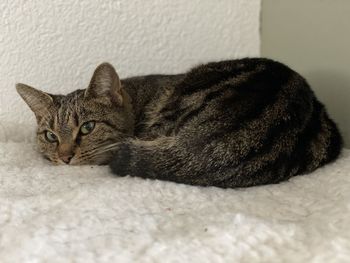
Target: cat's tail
x: 167, y: 159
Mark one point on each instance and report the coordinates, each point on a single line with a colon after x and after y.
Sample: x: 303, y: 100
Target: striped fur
x: 233, y: 123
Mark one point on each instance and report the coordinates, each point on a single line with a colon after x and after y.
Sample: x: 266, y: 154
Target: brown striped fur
x: 232, y: 123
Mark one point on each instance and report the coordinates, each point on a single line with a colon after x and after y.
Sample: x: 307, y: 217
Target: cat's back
x: 266, y: 111
x: 151, y: 83
x: 247, y: 74
x: 232, y: 91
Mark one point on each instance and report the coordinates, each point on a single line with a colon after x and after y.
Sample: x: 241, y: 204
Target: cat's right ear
x: 38, y: 101
x: 105, y: 85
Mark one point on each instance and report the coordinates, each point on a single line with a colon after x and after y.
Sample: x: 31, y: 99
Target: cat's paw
x: 121, y: 161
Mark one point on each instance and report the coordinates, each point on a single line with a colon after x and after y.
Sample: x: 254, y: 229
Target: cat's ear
x: 38, y: 101
x: 105, y: 85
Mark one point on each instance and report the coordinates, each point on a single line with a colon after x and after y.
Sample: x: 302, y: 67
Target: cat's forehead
x: 66, y: 111
x: 72, y: 103
x: 71, y: 98
x: 71, y: 110
x: 68, y: 104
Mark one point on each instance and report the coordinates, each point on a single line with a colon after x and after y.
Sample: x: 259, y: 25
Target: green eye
x: 50, y: 136
x: 87, y: 127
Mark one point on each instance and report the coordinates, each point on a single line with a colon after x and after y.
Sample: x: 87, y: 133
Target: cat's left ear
x: 38, y: 101
x: 105, y: 85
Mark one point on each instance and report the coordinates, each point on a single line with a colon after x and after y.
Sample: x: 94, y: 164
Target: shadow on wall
x: 332, y: 89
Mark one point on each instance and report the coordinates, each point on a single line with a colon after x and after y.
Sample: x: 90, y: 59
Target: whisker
x: 98, y: 152
x: 108, y: 149
x: 95, y: 157
x: 95, y: 149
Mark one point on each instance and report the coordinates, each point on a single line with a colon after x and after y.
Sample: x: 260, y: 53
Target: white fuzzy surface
x: 84, y: 214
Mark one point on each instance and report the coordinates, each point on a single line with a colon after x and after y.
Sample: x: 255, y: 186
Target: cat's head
x: 80, y: 127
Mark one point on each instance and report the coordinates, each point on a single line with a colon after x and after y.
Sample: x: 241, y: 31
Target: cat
x: 234, y: 123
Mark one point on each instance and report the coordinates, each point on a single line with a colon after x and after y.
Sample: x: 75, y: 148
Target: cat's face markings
x: 76, y: 128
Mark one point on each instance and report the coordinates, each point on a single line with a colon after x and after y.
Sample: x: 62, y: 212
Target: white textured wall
x: 55, y: 45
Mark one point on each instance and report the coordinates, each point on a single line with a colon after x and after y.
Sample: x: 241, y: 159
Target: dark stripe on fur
x: 336, y: 142
x: 266, y: 82
x: 295, y: 161
x: 211, y: 74
x: 301, y: 157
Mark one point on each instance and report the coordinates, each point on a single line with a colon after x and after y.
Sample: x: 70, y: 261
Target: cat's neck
x: 146, y: 91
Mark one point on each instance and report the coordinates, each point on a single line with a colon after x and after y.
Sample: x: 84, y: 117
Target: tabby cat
x: 234, y: 123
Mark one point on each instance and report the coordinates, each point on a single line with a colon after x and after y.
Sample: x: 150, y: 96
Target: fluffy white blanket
x: 84, y: 214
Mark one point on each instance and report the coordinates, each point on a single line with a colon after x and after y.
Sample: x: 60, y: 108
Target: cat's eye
x: 51, y: 137
x: 87, y: 127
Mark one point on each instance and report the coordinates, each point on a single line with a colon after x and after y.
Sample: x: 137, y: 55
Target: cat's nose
x: 67, y: 158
